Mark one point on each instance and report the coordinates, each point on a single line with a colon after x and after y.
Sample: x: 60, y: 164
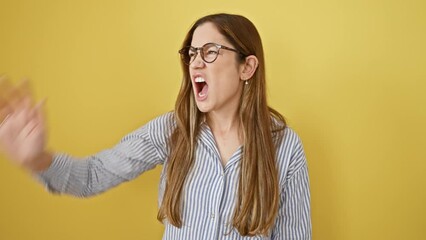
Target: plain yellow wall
x: 350, y: 76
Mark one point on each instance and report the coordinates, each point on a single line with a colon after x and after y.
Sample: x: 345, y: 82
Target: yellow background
x: 350, y: 76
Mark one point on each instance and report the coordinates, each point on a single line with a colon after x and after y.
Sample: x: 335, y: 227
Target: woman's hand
x: 22, y: 127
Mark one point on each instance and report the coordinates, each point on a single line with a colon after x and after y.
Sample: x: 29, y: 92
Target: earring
x: 246, y: 82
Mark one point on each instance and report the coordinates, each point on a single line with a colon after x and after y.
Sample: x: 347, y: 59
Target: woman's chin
x: 202, y: 107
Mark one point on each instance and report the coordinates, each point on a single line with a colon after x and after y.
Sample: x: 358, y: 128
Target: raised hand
x: 22, y: 127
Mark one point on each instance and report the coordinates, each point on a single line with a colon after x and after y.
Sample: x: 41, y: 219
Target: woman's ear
x: 248, y: 68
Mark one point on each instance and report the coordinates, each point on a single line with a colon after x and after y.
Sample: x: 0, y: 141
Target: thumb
x: 39, y: 109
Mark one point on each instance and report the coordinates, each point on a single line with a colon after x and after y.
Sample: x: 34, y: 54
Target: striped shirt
x: 209, y: 191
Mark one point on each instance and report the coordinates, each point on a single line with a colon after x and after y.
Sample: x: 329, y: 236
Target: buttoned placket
x: 215, y: 208
x: 208, y: 140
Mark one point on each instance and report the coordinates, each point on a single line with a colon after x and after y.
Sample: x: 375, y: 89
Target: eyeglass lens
x: 208, y: 53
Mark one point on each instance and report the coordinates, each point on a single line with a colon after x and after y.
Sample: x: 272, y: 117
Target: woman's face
x: 222, y: 89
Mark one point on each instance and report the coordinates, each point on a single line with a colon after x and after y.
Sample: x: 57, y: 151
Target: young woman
x: 232, y: 167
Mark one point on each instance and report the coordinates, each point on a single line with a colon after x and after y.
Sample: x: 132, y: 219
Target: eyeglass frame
x: 185, y: 50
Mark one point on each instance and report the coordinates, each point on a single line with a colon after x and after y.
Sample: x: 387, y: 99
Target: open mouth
x: 201, y: 87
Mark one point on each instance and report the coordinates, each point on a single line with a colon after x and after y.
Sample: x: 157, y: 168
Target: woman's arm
x: 294, y: 214
x: 23, y: 140
x: 22, y: 127
x: 135, y: 154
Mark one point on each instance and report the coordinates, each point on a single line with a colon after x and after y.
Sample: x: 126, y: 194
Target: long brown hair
x: 258, y: 190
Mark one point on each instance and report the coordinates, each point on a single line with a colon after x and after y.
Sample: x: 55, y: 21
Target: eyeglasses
x: 208, y: 52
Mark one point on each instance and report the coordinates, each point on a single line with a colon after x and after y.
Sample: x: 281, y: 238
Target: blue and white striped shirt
x: 209, y: 191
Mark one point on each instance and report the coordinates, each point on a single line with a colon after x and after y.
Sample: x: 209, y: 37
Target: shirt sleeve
x: 294, y: 214
x: 136, y: 153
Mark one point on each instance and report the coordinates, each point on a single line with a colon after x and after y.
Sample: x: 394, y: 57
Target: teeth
x: 199, y: 79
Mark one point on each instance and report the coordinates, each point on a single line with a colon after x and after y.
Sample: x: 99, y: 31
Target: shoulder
x: 288, y: 141
x: 284, y: 136
x: 160, y: 128
x: 155, y: 133
x: 290, y: 153
x: 291, y: 137
x: 164, y: 123
x: 156, y: 130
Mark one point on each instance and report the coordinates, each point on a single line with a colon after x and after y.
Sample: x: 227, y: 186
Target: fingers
x: 5, y: 87
x: 6, y: 118
x: 39, y: 110
x: 14, y: 98
x: 24, y: 119
x: 22, y: 126
x: 4, y: 113
x: 16, y: 107
x: 37, y: 114
x: 10, y: 93
x: 29, y: 128
x: 5, y: 110
x: 19, y: 96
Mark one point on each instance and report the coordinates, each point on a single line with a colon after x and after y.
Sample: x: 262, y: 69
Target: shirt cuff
x: 55, y: 178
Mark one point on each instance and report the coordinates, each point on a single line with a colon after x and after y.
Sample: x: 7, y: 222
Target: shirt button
x: 212, y: 215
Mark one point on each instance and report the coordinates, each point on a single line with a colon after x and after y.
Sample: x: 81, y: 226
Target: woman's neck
x: 223, y: 123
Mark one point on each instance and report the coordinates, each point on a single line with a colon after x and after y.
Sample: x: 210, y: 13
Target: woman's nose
x: 198, y: 62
